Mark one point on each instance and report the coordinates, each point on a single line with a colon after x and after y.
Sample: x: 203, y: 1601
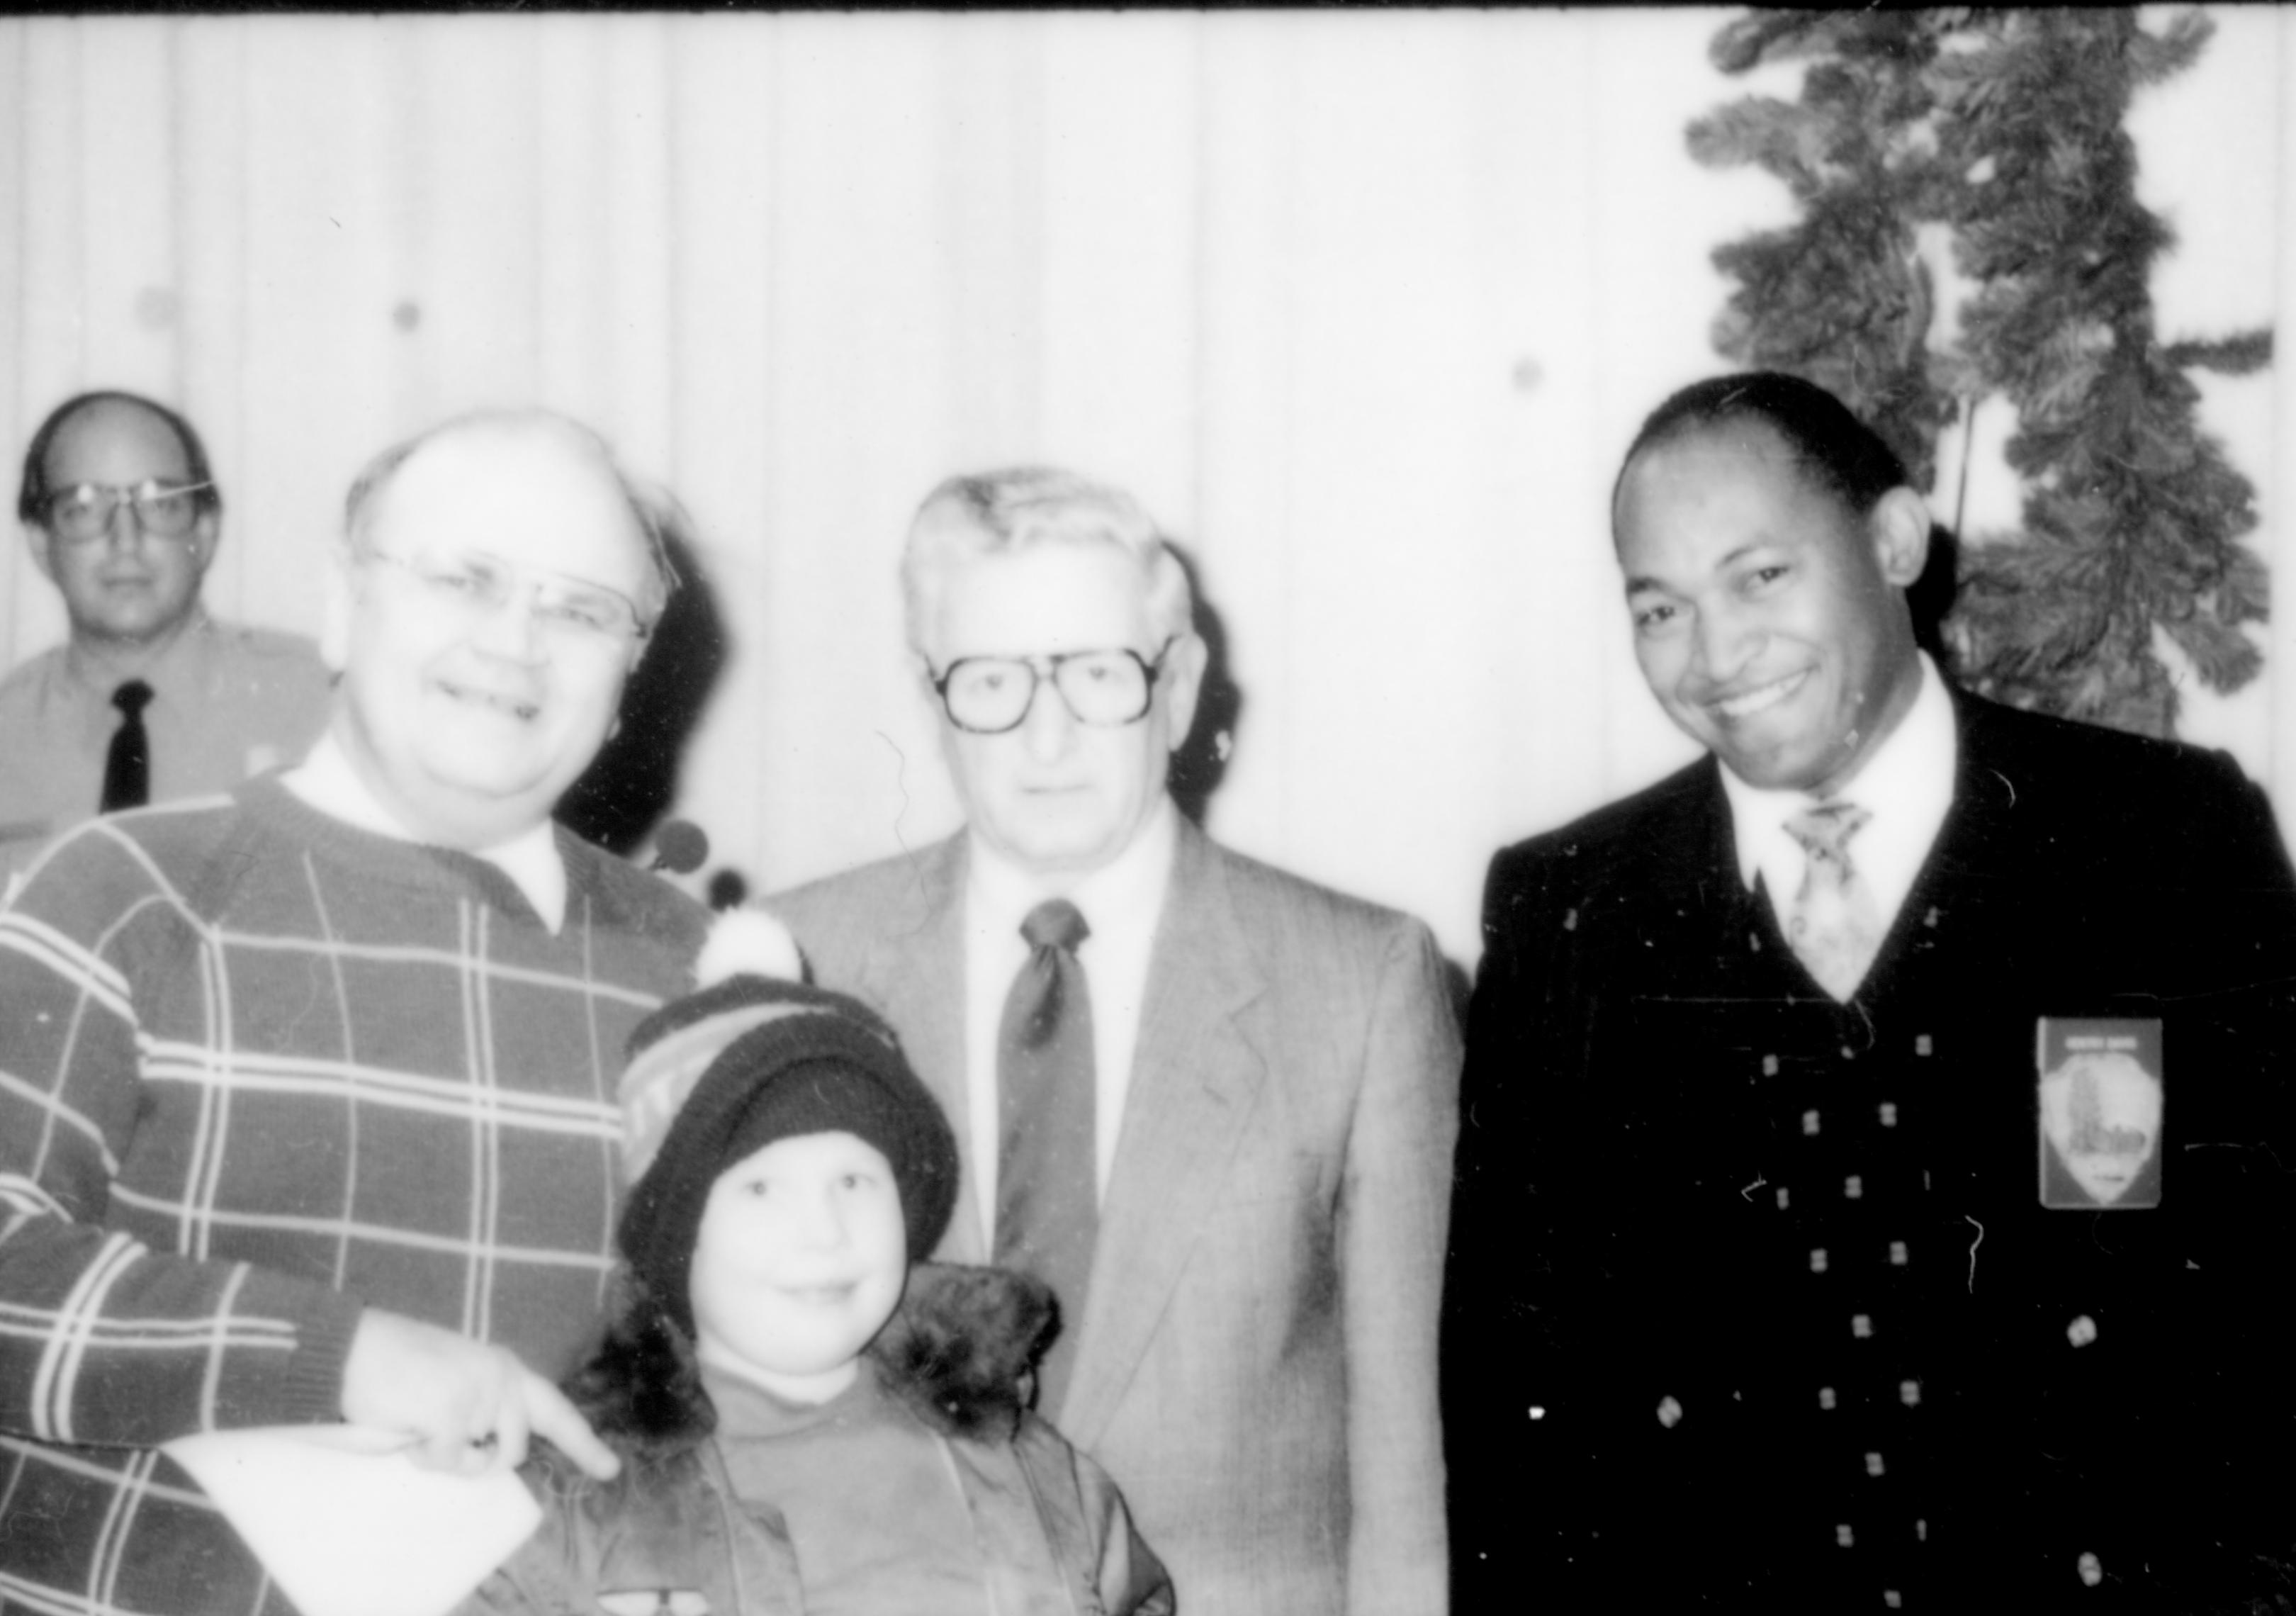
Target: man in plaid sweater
x: 307, y: 1094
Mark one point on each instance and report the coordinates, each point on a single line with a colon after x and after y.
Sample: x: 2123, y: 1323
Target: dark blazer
x: 1257, y: 1361
x: 1752, y: 1296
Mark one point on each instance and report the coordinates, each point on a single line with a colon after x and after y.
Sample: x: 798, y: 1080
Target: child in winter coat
x: 798, y: 1434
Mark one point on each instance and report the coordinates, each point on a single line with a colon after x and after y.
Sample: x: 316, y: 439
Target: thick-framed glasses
x: 82, y: 514
x: 568, y: 610
x: 1107, y: 689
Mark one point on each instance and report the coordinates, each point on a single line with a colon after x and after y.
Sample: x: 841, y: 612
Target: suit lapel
x: 1974, y: 831
x: 918, y: 976
x: 1983, y: 794
x: 1705, y: 931
x: 1952, y: 895
x: 1194, y: 1073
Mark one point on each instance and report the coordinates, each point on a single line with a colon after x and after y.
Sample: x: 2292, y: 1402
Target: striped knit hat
x: 720, y: 1074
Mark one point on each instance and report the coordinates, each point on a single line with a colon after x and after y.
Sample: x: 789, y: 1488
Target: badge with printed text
x: 2101, y: 1111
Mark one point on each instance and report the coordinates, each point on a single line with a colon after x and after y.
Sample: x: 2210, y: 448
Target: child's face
x: 799, y: 1263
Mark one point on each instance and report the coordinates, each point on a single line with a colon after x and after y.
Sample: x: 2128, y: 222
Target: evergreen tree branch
x: 2009, y: 129
x: 2240, y: 355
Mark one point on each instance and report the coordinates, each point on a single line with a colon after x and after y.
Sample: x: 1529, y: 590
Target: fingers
x: 546, y: 1412
x: 452, y: 1452
x: 491, y: 1420
x: 483, y: 1428
x: 466, y: 1404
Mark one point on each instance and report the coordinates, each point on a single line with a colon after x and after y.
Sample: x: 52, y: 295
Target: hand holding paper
x: 468, y: 1407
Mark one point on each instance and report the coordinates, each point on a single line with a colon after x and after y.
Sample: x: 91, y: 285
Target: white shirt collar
x: 327, y: 782
x: 1120, y: 893
x: 1906, y: 785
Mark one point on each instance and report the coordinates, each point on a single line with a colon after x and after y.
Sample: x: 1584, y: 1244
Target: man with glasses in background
x: 150, y: 699
x: 307, y: 1094
x: 1210, y: 1103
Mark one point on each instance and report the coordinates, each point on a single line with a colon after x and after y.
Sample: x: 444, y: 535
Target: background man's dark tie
x: 1047, y: 1203
x: 127, y: 766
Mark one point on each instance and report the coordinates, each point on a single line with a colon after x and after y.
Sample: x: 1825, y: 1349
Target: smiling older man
x: 1783, y: 1276
x: 307, y: 1097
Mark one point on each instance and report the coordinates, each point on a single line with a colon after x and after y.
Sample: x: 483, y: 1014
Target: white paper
x: 349, y: 1525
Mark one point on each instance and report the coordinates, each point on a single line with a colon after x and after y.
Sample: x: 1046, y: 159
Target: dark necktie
x: 1047, y: 1204
x: 127, y: 766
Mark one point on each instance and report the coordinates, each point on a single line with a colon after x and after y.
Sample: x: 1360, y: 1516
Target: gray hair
x: 646, y: 508
x: 998, y: 512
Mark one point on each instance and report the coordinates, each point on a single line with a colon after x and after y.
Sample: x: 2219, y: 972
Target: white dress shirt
x: 1906, y: 785
x: 228, y: 703
x: 1121, y: 903
x: 329, y: 783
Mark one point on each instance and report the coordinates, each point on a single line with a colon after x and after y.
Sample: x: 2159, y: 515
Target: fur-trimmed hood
x: 961, y: 1348
x: 959, y: 1351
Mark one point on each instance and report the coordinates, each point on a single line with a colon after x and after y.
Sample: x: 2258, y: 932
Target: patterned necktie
x: 1836, y: 925
x: 128, y: 765
x: 1047, y: 1200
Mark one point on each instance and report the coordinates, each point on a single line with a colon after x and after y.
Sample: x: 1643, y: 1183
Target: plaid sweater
x: 258, y: 1068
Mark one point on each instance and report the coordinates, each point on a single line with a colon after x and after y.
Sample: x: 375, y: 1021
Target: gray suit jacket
x: 1257, y: 1364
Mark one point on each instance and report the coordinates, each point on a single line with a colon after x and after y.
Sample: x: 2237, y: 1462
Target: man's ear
x: 208, y: 533
x: 1900, y: 527
x: 43, y: 547
x: 1181, y: 682
x: 340, y: 591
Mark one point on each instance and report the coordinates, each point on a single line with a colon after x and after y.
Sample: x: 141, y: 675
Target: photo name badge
x: 2100, y: 1114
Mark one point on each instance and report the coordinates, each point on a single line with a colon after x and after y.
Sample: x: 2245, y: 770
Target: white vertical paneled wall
x: 1364, y: 305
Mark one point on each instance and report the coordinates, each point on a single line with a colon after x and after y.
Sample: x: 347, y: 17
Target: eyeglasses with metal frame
x: 82, y: 514
x: 569, y: 609
x: 1106, y: 689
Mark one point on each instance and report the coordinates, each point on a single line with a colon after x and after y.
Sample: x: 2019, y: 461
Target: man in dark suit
x: 1212, y: 1104
x: 1873, y: 1183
